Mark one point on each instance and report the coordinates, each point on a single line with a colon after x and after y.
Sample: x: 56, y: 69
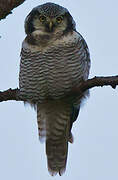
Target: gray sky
x: 94, y: 154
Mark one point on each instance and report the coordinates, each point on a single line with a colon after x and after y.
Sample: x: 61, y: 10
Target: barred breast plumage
x: 43, y: 73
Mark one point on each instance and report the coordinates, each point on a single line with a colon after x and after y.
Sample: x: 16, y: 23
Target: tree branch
x: 14, y: 94
x: 96, y: 82
x: 7, y: 5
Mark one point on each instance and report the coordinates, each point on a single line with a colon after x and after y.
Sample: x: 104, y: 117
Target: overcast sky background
x: 94, y: 154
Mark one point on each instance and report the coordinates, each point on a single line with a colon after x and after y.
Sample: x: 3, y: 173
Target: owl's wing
x: 85, y: 55
x: 25, y: 74
x: 85, y: 66
x: 25, y: 54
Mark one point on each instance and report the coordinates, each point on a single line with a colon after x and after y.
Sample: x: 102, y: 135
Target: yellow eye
x: 42, y: 18
x: 59, y: 19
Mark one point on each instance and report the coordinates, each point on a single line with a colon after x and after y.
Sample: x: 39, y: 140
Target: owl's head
x: 49, y: 18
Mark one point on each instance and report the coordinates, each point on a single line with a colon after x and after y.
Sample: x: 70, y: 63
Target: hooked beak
x: 50, y: 26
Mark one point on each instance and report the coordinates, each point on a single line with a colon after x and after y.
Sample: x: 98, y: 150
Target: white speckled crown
x: 51, y: 9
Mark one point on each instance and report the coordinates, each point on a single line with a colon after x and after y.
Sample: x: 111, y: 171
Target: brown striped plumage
x: 52, y: 63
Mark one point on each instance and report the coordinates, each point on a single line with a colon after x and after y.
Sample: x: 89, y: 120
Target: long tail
x: 54, y: 123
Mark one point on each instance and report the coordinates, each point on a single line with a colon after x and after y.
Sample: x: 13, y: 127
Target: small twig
x: 14, y: 94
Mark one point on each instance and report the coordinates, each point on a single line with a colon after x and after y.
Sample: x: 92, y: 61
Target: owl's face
x: 49, y: 18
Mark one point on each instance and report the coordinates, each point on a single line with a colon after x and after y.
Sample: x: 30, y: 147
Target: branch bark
x: 14, y: 94
x: 7, y: 5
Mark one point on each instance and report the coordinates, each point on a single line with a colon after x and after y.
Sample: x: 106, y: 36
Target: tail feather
x: 56, y: 156
x: 41, y: 125
x: 54, y: 124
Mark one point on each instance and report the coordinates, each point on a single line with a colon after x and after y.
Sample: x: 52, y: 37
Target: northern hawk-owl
x: 54, y: 59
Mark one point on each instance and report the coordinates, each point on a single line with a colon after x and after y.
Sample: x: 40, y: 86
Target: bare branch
x: 7, y: 5
x: 10, y: 94
x: 14, y: 94
x: 96, y: 82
